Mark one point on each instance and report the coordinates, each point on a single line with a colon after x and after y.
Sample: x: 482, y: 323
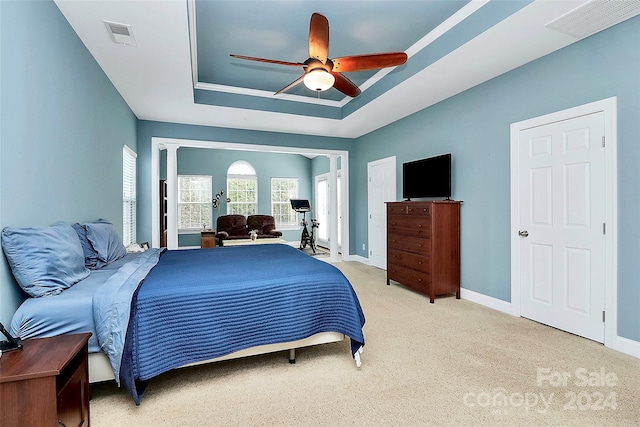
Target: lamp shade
x: 319, y: 79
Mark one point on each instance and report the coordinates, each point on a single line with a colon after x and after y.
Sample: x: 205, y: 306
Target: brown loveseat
x: 238, y: 227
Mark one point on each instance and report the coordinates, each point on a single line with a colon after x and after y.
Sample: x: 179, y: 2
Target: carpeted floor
x: 452, y: 363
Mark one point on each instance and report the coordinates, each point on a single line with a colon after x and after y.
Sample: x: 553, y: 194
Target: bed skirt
x: 100, y: 367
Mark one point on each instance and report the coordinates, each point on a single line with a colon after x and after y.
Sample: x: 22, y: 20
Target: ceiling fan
x: 322, y: 73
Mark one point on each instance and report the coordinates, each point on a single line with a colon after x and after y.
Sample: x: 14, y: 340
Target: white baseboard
x: 621, y: 344
x: 358, y: 258
x: 487, y: 301
x: 626, y: 346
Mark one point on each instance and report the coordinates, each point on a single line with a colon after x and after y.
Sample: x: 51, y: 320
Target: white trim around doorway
x: 609, y: 108
x: 159, y: 143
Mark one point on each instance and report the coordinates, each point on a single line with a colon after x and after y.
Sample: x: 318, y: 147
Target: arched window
x: 242, y: 189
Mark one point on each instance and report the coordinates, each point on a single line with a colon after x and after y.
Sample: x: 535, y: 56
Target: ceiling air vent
x: 120, y: 33
x: 594, y: 16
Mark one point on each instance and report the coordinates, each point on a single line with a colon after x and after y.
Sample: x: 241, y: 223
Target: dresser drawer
x: 412, y: 208
x: 396, y: 209
x: 406, y: 259
x: 416, y: 245
x: 409, y: 225
x: 414, y: 279
x: 419, y: 209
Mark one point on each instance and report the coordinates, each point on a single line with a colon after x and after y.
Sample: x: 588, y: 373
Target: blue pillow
x: 44, y: 260
x: 105, y: 241
x: 90, y: 255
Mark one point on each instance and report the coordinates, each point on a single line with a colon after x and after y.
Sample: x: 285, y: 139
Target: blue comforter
x: 197, y: 304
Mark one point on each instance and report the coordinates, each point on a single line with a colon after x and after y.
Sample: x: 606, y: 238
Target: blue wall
x: 474, y: 126
x: 63, y: 128
x: 201, y: 161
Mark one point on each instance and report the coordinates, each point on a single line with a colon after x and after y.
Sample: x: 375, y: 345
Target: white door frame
x: 327, y: 176
x: 608, y: 107
x: 391, y: 161
x: 170, y: 144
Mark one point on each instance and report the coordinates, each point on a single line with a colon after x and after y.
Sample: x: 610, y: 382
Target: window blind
x: 128, y: 196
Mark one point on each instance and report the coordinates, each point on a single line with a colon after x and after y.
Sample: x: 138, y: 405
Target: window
x: 283, y: 189
x: 242, y: 189
x: 128, y: 196
x: 194, y: 202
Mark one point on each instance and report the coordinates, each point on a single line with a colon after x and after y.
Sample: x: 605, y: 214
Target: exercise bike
x: 302, y: 206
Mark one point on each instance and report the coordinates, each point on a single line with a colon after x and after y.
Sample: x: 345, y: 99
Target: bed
x: 158, y: 310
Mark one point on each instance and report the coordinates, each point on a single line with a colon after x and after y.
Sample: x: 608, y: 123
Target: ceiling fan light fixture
x: 319, y: 80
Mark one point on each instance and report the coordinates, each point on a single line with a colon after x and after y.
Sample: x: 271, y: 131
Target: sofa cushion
x: 233, y: 225
x: 264, y: 224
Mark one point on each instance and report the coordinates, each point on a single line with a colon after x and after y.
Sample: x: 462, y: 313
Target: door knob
x: 523, y: 233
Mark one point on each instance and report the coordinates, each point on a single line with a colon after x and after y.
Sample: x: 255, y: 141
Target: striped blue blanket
x: 196, y: 305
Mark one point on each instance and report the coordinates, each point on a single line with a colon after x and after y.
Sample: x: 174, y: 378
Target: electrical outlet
x: 363, y: 247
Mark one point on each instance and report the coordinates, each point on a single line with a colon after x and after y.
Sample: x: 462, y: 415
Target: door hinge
x: 603, y: 144
x: 604, y: 228
x: 603, y: 316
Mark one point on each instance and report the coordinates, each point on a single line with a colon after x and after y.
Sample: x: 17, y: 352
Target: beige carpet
x: 452, y: 363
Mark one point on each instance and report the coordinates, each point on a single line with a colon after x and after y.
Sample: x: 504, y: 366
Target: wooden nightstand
x: 46, y: 383
x: 208, y: 239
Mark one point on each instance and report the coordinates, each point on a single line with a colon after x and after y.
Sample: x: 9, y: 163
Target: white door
x: 562, y: 224
x: 322, y: 211
x: 381, y: 189
x: 339, y: 195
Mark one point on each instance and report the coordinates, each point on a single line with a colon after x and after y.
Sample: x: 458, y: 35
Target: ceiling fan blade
x: 368, y: 62
x: 319, y: 37
x: 345, y: 85
x: 270, y: 61
x: 292, y: 84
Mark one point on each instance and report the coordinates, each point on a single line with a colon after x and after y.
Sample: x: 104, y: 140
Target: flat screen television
x: 429, y: 177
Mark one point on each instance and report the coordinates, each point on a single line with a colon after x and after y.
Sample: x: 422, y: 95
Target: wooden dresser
x: 423, y: 246
x: 46, y: 383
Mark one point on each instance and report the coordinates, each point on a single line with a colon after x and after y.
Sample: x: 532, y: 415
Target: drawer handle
x: 419, y: 225
x: 420, y: 245
x: 419, y: 280
x: 420, y: 262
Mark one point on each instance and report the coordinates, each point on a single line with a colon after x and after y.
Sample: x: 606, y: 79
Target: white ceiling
x: 156, y: 78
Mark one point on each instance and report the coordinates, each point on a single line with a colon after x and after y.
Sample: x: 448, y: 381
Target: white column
x: 333, y: 208
x: 172, y: 196
x: 155, y: 189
